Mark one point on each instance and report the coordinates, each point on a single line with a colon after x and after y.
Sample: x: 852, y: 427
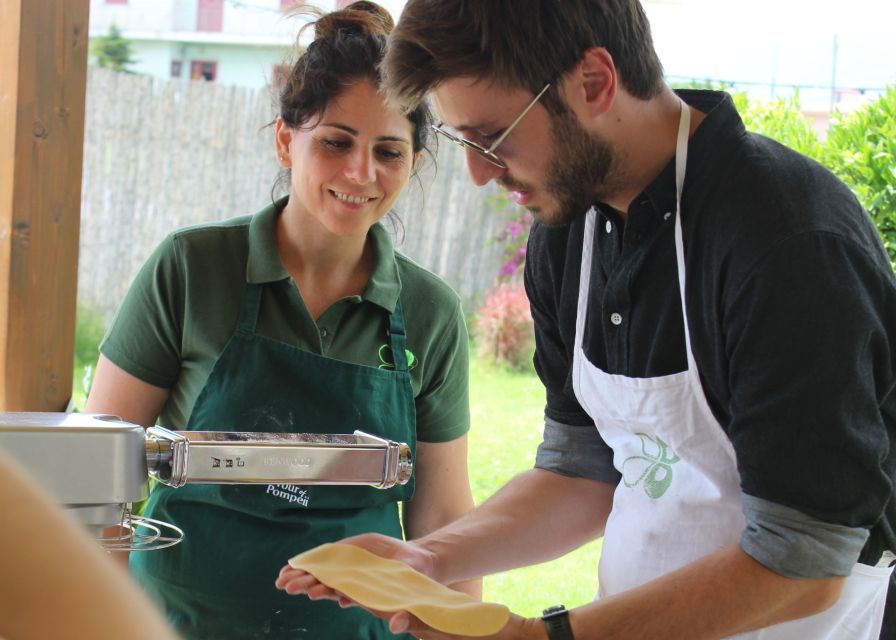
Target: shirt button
x: 323, y: 333
x: 609, y: 227
x: 667, y: 215
x: 616, y: 319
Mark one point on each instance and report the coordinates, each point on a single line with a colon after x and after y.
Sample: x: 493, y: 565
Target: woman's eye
x: 336, y: 145
x: 390, y: 154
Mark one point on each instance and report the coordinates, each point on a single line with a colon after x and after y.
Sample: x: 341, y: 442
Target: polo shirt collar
x: 264, y: 263
x: 385, y: 283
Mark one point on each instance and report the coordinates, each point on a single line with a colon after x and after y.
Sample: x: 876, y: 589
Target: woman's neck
x: 325, y: 267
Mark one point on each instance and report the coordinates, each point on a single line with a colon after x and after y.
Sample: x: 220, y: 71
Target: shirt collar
x: 718, y: 131
x: 264, y: 263
x: 385, y: 283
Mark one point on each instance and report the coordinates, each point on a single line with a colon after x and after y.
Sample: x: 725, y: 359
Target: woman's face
x: 350, y: 168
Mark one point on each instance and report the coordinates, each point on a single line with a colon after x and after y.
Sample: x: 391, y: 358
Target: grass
x: 508, y: 417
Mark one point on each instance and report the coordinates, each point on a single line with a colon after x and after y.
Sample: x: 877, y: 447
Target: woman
x: 300, y: 318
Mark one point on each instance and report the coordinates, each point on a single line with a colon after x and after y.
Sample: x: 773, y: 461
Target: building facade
x: 237, y: 42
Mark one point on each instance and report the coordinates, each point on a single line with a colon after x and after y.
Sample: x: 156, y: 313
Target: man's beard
x: 584, y: 170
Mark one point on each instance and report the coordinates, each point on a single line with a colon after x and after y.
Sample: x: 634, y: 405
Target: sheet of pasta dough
x: 390, y: 585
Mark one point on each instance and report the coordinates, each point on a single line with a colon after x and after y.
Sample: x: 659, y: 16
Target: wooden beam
x: 43, y: 78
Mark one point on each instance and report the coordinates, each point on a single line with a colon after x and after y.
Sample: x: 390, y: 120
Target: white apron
x: 679, y: 497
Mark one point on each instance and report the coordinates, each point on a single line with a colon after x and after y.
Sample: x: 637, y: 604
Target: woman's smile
x: 350, y: 199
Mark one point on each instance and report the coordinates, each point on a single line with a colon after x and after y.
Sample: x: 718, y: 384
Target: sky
x: 777, y: 44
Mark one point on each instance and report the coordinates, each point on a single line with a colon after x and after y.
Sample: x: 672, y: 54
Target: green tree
x: 112, y: 51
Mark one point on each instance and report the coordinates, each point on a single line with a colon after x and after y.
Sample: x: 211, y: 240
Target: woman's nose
x: 361, y: 168
x: 481, y: 170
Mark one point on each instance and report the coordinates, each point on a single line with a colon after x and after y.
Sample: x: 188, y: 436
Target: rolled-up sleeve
x: 576, y: 451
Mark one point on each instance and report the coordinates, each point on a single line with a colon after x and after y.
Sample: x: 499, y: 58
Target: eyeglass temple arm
x: 513, y: 124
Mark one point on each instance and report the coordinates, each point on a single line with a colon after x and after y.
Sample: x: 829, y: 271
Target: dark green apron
x: 219, y: 582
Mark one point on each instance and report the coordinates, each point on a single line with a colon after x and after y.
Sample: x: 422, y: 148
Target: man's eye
x: 485, y: 139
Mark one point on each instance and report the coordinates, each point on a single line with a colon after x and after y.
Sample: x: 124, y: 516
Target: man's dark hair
x: 516, y: 44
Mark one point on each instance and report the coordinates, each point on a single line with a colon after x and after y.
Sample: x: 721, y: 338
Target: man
x: 742, y: 467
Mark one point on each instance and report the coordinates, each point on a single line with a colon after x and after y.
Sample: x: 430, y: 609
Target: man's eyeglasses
x: 489, y: 154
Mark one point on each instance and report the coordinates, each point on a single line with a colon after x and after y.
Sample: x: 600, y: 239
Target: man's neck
x: 644, y: 133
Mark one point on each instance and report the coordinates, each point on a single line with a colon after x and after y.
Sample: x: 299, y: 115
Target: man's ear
x: 592, y: 83
x: 282, y: 140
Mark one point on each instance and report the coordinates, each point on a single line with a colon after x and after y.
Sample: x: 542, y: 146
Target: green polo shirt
x: 182, y: 309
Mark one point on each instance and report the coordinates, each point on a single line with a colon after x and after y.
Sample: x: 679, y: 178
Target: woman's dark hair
x: 348, y: 46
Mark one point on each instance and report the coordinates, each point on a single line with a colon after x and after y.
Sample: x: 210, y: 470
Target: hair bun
x: 362, y: 18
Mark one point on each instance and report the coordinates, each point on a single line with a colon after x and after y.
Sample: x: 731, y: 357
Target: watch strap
x: 556, y: 622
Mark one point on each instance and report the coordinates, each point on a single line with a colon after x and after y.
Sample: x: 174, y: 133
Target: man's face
x: 555, y: 168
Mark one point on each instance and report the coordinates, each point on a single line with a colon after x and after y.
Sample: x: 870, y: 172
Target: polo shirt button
x: 609, y: 227
x: 616, y: 319
x: 323, y: 332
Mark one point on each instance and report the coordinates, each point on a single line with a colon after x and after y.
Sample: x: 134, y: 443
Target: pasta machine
x: 97, y: 466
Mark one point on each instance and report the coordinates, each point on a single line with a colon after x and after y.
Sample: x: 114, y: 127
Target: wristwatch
x: 556, y: 621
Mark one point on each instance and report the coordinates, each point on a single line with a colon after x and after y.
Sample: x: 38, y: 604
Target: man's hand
x: 296, y: 581
x: 517, y: 628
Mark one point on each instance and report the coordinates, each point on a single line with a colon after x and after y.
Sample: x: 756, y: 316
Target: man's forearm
x: 718, y: 596
x: 537, y: 516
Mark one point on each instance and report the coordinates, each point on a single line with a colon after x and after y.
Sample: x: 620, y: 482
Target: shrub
x: 514, y: 235
x: 861, y: 150
x: 89, y: 331
x: 503, y: 327
x: 782, y: 120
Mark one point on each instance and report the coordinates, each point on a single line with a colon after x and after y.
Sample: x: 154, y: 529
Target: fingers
x: 404, y: 622
x: 295, y: 581
x: 400, y: 622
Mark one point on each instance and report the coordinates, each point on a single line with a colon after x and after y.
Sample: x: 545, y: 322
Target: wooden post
x: 43, y: 78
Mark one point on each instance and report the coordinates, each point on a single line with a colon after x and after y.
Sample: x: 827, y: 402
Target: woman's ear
x: 282, y: 141
x: 592, y: 83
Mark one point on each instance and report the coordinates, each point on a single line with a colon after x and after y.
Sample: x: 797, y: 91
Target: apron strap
x: 249, y: 309
x: 585, y: 277
x: 681, y: 160
x: 397, y: 339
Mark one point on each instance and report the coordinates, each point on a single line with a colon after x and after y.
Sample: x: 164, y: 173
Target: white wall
x: 153, y: 58
x: 260, y: 19
x: 154, y: 15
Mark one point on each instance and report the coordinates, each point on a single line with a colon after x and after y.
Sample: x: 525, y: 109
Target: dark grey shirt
x: 791, y: 302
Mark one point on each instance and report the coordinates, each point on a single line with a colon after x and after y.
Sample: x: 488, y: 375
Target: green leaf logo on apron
x: 388, y: 362
x: 654, y: 467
